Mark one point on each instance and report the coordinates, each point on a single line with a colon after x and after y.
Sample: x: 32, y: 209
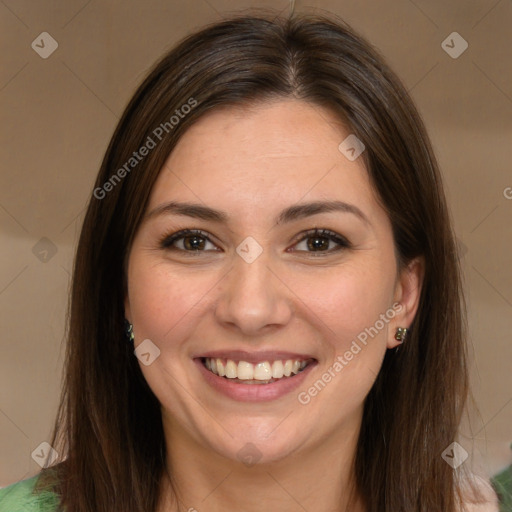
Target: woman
x: 266, y: 308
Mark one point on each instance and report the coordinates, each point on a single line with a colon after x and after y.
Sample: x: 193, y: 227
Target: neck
x: 320, y: 478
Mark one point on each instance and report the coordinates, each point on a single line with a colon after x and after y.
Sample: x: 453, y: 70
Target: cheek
x: 346, y: 301
x: 164, y: 302
x: 347, y: 306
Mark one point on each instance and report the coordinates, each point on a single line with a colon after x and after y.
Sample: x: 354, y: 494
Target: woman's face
x: 259, y: 290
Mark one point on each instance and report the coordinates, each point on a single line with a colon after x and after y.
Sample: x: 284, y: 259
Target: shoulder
x: 502, y: 482
x: 19, y: 497
x: 479, y: 496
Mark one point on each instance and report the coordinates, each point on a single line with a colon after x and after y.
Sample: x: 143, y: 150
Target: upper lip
x: 254, y: 357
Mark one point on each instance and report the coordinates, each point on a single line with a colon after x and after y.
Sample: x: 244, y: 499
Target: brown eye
x: 188, y: 240
x: 322, y: 241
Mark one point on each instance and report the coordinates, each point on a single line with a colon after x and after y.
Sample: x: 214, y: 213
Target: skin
x: 253, y: 163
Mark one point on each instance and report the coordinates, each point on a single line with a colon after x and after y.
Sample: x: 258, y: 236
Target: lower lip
x: 254, y: 392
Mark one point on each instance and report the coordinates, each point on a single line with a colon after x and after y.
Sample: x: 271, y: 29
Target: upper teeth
x: 260, y: 371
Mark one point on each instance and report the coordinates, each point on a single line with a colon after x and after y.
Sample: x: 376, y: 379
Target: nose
x: 253, y: 299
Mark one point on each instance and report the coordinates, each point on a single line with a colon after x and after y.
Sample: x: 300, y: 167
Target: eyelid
x: 320, y: 232
x: 166, y: 240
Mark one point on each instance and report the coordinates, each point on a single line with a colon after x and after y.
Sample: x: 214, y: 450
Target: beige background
x: 59, y: 113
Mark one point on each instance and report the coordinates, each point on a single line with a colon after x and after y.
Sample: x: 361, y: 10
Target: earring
x: 129, y: 331
x: 400, y: 334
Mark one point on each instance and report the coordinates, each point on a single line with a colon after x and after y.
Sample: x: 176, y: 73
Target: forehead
x: 262, y: 157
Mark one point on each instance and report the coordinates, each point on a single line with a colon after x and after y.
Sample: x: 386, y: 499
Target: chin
x: 254, y: 446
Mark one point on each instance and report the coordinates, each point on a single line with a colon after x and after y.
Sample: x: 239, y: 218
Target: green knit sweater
x: 19, y: 497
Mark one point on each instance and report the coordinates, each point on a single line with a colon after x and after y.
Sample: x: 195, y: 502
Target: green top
x: 18, y: 497
x: 503, y: 485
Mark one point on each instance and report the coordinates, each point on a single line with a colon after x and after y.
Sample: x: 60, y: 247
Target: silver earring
x: 400, y: 334
x: 129, y: 331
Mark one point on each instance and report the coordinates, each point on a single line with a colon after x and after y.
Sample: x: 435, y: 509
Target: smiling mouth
x: 264, y: 372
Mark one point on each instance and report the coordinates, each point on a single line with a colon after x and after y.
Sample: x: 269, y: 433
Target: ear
x: 407, y: 293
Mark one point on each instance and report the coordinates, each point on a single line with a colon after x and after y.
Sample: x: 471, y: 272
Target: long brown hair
x: 109, y: 422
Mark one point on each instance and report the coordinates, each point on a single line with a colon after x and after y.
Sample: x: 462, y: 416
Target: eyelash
x: 168, y: 239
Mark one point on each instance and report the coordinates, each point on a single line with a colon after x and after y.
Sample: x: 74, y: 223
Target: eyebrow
x: 290, y: 214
